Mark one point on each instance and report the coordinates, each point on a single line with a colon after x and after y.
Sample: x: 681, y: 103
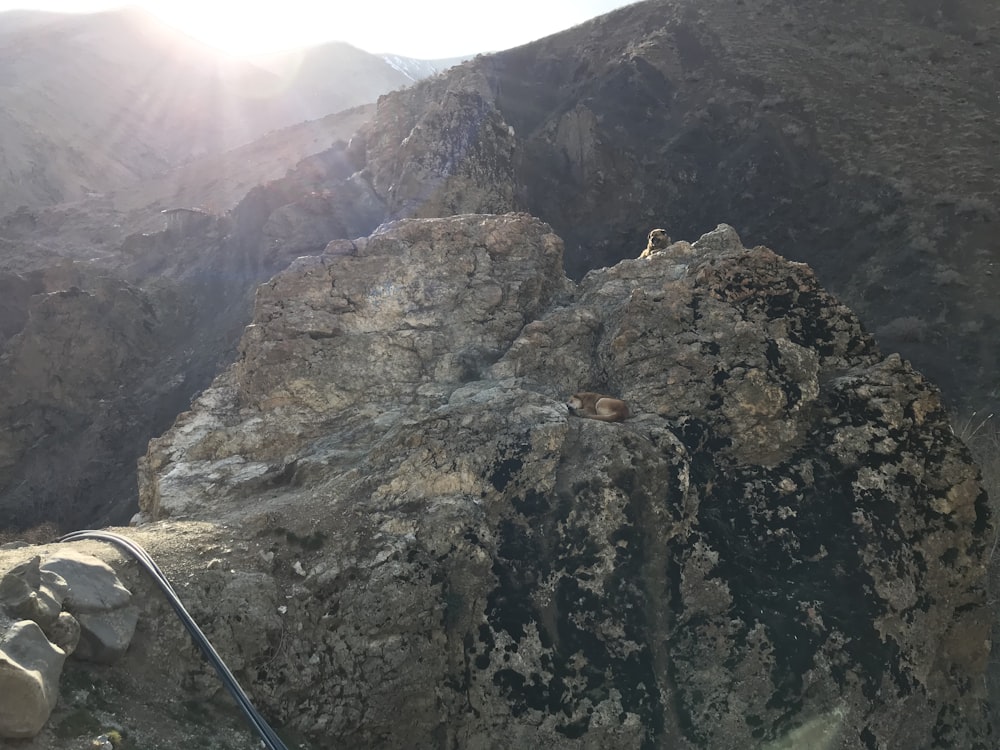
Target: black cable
x: 268, y: 735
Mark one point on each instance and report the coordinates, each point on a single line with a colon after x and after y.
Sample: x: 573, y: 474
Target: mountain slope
x: 331, y: 77
x: 869, y: 128
x: 93, y: 103
x: 417, y: 70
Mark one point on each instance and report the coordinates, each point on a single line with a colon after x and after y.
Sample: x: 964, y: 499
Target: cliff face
x: 99, y: 360
x: 784, y: 544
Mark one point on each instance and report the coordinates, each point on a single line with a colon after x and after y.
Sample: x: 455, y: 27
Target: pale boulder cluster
x: 64, y: 604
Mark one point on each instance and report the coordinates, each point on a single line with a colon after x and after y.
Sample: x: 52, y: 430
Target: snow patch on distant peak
x: 415, y: 69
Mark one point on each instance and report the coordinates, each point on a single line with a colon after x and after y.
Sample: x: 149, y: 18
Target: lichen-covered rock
x: 782, y: 547
x: 29, y: 678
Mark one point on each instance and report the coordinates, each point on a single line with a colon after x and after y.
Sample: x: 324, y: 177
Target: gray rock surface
x: 105, y: 637
x: 784, y: 545
x: 98, y: 601
x: 29, y: 593
x: 29, y: 677
x: 93, y: 585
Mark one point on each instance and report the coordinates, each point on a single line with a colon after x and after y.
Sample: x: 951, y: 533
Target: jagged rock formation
x: 786, y: 541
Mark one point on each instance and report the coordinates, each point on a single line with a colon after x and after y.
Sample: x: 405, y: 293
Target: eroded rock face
x: 784, y: 544
x: 455, y: 155
x: 378, y: 333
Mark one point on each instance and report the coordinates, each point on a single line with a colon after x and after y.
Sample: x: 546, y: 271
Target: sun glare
x: 240, y: 29
x: 250, y: 28
x: 431, y: 29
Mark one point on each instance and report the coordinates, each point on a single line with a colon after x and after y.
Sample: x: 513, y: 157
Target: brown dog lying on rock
x: 596, y: 406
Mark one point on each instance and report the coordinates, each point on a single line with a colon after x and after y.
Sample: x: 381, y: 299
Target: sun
x: 254, y: 27
x: 431, y: 29
x: 240, y: 29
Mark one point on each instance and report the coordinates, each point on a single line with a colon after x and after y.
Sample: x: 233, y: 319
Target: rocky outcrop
x: 383, y: 334
x: 660, y: 113
x: 455, y: 155
x: 783, y: 545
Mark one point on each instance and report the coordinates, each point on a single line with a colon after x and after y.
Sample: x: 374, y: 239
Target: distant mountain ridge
x: 97, y: 102
x: 330, y: 77
x: 416, y: 69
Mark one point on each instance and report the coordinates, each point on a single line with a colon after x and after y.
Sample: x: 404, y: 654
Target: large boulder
x: 98, y: 601
x: 30, y: 667
x: 784, y: 544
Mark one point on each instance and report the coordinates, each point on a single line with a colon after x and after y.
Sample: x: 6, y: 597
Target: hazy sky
x: 414, y: 28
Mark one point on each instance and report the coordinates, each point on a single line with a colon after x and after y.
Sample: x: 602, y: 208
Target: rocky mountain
x: 662, y: 113
x: 417, y: 70
x: 97, y: 102
x: 375, y: 498
x: 867, y: 128
x: 388, y: 521
x: 334, y: 76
